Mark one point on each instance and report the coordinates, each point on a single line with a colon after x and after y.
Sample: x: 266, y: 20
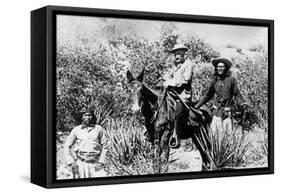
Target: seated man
x: 189, y: 122
x: 180, y: 77
x: 178, y: 80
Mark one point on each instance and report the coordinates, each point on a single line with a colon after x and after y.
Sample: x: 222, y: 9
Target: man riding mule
x: 178, y: 81
x: 171, y: 117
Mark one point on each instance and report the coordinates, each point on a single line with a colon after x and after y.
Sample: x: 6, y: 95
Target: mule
x: 159, y: 114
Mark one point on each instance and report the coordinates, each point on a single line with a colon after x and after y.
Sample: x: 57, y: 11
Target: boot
x: 174, y: 141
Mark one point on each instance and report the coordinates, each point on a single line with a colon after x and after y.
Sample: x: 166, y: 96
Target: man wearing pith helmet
x: 180, y: 77
x: 178, y: 81
x: 86, y: 147
x: 224, y: 88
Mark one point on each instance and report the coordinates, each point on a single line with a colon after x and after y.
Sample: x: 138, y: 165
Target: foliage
x: 257, y: 48
x: 199, y: 50
x: 252, y: 78
x: 231, y: 46
x: 203, y: 75
x: 96, y: 75
x: 85, y: 77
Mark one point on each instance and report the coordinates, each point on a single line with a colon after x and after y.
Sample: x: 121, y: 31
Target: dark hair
x: 91, y: 111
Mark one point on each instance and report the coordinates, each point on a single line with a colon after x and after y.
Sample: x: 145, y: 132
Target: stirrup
x: 174, y: 142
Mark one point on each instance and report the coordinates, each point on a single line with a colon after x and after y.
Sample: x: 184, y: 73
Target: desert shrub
x: 143, y: 54
x: 252, y: 78
x: 129, y: 153
x: 229, y: 149
x: 199, y: 50
x: 239, y: 50
x: 231, y: 46
x: 257, y: 48
x: 203, y: 75
x: 86, y: 76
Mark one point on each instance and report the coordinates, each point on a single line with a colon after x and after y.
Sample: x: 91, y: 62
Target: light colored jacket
x: 181, y: 77
x: 90, y: 140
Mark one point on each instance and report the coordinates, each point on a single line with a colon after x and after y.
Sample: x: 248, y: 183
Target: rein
x: 158, y: 105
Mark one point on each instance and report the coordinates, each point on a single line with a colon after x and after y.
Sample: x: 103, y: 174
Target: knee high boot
x: 174, y: 141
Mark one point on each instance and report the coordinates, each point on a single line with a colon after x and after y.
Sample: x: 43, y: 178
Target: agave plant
x: 229, y: 150
x: 102, y: 112
x: 129, y: 153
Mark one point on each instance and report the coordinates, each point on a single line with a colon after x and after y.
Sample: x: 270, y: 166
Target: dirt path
x: 186, y: 161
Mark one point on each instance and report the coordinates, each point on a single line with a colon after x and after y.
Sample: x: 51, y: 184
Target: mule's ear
x: 129, y: 76
x: 140, y: 77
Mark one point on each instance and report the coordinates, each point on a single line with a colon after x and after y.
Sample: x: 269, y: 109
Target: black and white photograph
x: 146, y: 97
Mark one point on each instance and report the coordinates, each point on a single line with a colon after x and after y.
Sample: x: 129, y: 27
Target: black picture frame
x: 43, y: 90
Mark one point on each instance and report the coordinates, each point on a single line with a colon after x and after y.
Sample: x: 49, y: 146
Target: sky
x: 69, y: 27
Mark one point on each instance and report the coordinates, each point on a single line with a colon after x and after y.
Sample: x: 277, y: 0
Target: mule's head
x: 137, y: 88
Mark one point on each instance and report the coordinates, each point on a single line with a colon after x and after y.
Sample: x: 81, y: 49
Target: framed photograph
x: 126, y: 96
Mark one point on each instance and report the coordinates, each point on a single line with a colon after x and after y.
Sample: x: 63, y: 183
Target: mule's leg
x: 157, y: 152
x: 164, y: 146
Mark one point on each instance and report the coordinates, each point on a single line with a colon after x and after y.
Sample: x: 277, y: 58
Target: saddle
x: 165, y: 115
x: 193, y: 116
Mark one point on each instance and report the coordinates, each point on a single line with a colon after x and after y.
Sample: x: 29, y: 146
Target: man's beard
x: 179, y: 61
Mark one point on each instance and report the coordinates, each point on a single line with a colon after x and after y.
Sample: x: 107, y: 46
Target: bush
x: 252, y: 78
x: 199, y: 50
x: 257, y: 48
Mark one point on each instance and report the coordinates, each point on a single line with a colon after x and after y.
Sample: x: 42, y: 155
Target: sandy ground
x: 186, y: 160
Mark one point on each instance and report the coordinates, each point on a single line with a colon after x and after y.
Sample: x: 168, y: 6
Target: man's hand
x: 197, y: 106
x: 99, y: 166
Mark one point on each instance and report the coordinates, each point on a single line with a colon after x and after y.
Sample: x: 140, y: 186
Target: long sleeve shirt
x: 180, y: 77
x: 226, y: 92
x: 89, y: 140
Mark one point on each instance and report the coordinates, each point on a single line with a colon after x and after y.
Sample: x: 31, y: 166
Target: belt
x: 225, y: 108
x: 89, y: 157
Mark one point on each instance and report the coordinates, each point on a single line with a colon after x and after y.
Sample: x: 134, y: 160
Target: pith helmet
x: 179, y: 47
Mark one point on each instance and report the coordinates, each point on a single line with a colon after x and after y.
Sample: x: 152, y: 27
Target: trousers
x: 221, y: 126
x: 88, y: 170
